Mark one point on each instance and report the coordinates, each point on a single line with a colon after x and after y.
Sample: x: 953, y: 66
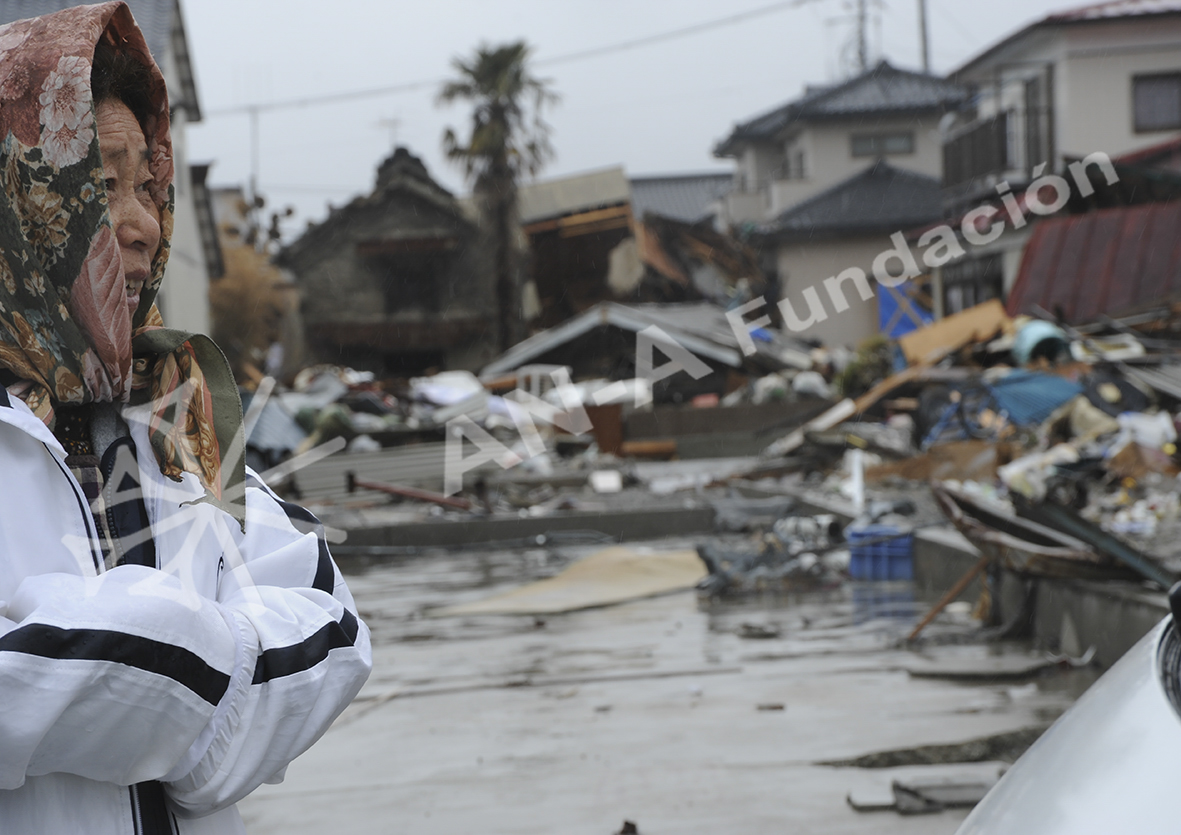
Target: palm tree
x: 509, y: 141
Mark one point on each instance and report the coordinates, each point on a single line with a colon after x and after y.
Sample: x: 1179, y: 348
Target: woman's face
x: 134, y: 215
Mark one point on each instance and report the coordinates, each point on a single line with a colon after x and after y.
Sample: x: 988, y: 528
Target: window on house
x: 797, y: 165
x: 791, y: 167
x: 1156, y: 102
x: 882, y: 144
x: 968, y: 282
x: 410, y: 278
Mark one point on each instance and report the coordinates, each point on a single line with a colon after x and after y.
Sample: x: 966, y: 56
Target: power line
x: 674, y: 34
x: 581, y: 55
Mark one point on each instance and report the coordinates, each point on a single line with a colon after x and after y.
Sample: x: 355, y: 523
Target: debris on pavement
x: 1004, y: 747
x: 614, y: 575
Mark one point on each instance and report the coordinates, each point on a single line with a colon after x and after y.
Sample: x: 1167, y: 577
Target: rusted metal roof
x: 1107, y: 262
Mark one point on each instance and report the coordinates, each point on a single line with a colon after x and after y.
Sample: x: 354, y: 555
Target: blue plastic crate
x: 888, y: 559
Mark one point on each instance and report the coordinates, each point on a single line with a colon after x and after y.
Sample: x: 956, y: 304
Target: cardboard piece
x: 976, y: 324
x: 614, y: 575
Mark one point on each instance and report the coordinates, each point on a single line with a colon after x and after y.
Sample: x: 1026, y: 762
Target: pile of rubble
x: 1055, y: 446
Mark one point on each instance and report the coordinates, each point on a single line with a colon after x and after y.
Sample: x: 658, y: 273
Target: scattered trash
x: 758, y: 631
x: 918, y: 796
x: 1004, y: 747
x: 606, y: 481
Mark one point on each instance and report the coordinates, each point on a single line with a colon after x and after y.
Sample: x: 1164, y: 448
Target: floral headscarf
x: 63, y: 329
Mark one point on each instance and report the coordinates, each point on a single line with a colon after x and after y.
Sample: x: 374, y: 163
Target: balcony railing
x: 1015, y: 140
x: 978, y: 150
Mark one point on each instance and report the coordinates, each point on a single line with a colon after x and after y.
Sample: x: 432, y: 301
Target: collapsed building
x: 394, y: 282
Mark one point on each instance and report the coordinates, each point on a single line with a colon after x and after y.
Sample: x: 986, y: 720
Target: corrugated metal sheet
x: 699, y: 327
x: 415, y: 465
x: 1113, y: 261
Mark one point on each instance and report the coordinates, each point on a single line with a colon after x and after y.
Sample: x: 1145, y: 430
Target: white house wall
x: 1093, y: 65
x: 828, y: 156
x: 1096, y: 80
x: 184, y: 296
x: 807, y: 264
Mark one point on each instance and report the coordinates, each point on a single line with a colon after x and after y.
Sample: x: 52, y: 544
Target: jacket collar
x: 15, y: 413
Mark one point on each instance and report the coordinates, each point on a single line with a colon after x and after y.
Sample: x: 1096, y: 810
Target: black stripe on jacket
x: 177, y: 663
x: 305, y: 522
x: 285, y: 661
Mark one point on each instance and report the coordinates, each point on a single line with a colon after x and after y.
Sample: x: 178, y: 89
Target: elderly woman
x: 171, y: 634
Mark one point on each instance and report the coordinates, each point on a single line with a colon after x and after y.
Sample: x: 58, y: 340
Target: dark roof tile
x: 881, y: 90
x: 881, y: 197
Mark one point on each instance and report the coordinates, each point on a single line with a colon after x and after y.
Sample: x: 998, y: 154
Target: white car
x: 1110, y: 765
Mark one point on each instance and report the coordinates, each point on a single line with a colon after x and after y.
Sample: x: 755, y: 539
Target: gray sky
x: 654, y: 109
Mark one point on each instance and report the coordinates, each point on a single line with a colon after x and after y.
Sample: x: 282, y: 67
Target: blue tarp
x: 1029, y: 397
x: 898, y: 313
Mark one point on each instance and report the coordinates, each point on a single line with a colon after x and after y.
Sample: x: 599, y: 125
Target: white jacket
x: 208, y: 674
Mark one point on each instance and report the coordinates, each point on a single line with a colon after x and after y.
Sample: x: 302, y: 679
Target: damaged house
x: 601, y: 237
x: 394, y: 282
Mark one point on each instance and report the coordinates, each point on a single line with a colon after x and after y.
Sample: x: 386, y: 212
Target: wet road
x: 648, y: 711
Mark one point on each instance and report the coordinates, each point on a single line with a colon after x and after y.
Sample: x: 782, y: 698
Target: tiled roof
x: 685, y: 197
x: 883, y: 89
x: 1115, y: 8
x: 881, y: 197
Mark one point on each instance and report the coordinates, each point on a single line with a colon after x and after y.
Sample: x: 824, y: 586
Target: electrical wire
x: 581, y: 55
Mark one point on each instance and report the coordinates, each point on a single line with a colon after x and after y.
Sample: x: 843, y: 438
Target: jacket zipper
x: 137, y: 818
x: 159, y: 819
x: 109, y: 515
x: 92, y: 534
x: 88, y: 522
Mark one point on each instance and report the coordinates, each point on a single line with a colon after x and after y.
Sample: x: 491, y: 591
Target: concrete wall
x: 338, y: 285
x: 1069, y: 616
x: 743, y: 206
x: 807, y: 264
x: 184, y: 295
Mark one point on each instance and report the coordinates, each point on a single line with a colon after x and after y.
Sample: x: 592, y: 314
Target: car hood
x: 1110, y: 764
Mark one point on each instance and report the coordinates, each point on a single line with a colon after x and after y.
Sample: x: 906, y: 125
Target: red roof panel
x: 1112, y: 261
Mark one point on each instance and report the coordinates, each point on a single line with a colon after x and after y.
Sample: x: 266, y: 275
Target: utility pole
x: 923, y: 37
x: 862, y: 50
